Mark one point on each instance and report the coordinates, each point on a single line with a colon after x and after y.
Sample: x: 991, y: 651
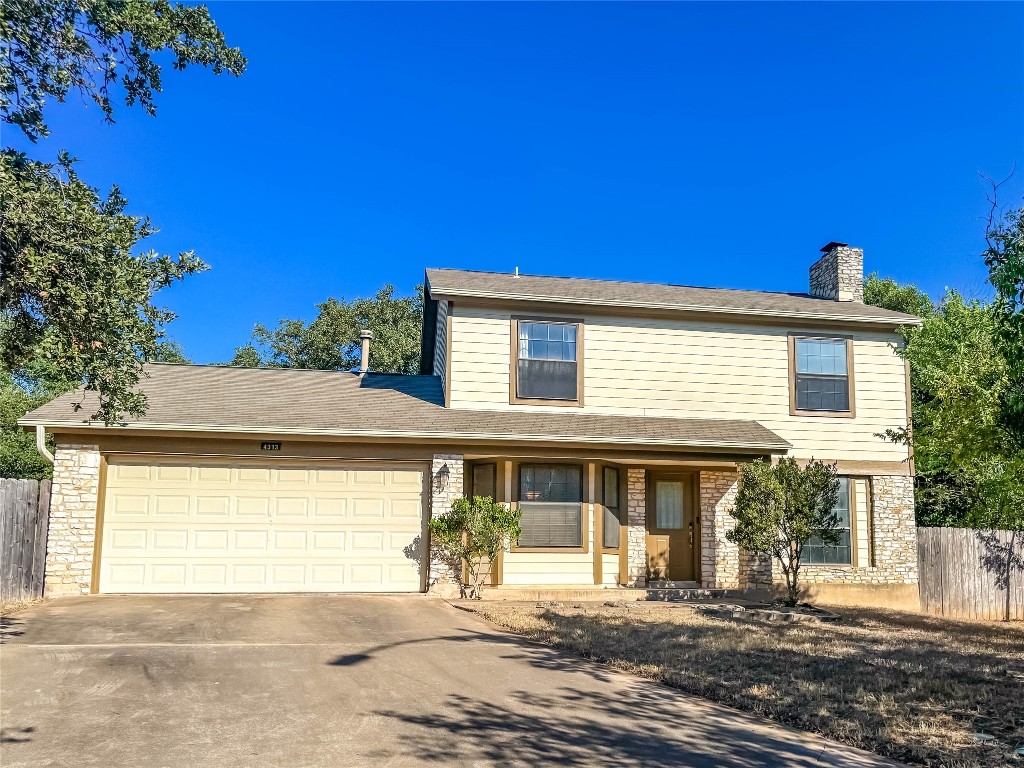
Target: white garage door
x: 204, y: 525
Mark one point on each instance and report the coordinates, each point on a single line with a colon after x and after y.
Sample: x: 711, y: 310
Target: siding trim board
x: 449, y: 314
x: 97, y: 551
x: 548, y: 303
x: 431, y: 435
x: 597, y: 516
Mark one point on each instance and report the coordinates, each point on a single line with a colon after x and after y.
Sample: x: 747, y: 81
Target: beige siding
x: 610, y: 570
x: 551, y: 568
x: 441, y: 341
x: 657, y: 367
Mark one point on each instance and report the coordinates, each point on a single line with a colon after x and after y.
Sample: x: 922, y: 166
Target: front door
x: 672, y: 534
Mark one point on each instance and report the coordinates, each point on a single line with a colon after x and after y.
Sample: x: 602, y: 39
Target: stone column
x: 71, y: 538
x: 445, y: 575
x: 636, y: 531
x: 719, y: 557
x: 895, y: 530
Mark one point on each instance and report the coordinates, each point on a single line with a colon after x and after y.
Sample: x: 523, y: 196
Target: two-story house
x: 614, y: 415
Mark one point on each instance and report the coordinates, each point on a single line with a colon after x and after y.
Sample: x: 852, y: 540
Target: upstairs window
x: 821, y: 375
x: 547, y: 365
x: 551, y: 502
x: 817, y: 552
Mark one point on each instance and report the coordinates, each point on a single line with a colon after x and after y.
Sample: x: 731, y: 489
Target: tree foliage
x: 779, y: 508
x: 331, y: 341
x: 18, y: 454
x: 170, y: 352
x: 473, y: 532
x: 968, y: 467
x: 891, y: 295
x: 967, y: 391
x: 1004, y: 257
x: 50, y: 48
x: 72, y: 292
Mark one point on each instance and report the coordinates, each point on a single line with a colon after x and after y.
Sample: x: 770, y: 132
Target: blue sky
x: 716, y: 145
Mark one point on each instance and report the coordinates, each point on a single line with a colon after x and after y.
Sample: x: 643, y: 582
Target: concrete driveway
x: 343, y: 681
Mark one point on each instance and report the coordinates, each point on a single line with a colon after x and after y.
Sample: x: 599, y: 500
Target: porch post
x: 636, y: 532
x: 719, y: 557
x: 446, y: 485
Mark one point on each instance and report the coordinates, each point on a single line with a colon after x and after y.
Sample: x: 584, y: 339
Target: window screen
x: 550, y: 499
x: 817, y: 552
x: 484, y: 480
x: 822, y: 375
x: 611, y: 508
x: 546, y: 367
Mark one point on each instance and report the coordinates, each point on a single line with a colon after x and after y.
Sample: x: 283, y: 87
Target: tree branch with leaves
x: 49, y: 48
x: 72, y: 291
x: 331, y: 341
x: 780, y: 508
x: 473, y: 533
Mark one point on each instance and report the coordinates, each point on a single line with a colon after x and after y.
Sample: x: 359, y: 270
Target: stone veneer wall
x: 755, y: 570
x: 636, y: 531
x: 893, y: 535
x: 839, y: 275
x: 719, y: 557
x: 892, y: 527
x: 442, y: 570
x: 71, y: 539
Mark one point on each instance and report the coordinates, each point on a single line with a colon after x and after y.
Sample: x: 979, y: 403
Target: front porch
x: 657, y: 524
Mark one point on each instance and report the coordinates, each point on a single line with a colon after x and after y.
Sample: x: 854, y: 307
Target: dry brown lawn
x: 908, y: 686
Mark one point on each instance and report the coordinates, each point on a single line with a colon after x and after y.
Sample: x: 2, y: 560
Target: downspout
x: 41, y: 443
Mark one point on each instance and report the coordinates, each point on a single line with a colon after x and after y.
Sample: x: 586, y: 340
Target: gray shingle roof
x: 611, y: 293
x: 269, y: 400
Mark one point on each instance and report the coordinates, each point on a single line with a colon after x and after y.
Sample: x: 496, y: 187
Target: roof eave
x: 753, y: 446
x: 895, y: 322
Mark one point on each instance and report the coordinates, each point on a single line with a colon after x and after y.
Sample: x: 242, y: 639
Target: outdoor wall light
x: 443, y: 476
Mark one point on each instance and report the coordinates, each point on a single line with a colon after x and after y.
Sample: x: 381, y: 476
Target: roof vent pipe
x: 365, y: 337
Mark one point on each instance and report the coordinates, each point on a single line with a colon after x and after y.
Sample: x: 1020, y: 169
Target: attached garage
x: 249, y: 525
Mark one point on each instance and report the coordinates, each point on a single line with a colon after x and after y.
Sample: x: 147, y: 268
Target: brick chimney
x: 839, y: 274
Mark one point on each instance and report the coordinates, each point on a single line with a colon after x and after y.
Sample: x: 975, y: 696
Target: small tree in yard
x: 779, y: 508
x: 475, y: 531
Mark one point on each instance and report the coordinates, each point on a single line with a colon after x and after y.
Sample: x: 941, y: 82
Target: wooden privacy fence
x: 25, y: 507
x: 971, y: 574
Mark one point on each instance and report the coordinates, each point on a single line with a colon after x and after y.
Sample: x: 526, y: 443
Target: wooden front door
x: 672, y: 527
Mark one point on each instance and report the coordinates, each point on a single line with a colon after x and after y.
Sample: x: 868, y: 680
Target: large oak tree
x: 75, y: 291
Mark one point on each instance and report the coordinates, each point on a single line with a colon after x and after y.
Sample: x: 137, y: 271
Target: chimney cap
x: 829, y: 247
x: 366, y: 334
